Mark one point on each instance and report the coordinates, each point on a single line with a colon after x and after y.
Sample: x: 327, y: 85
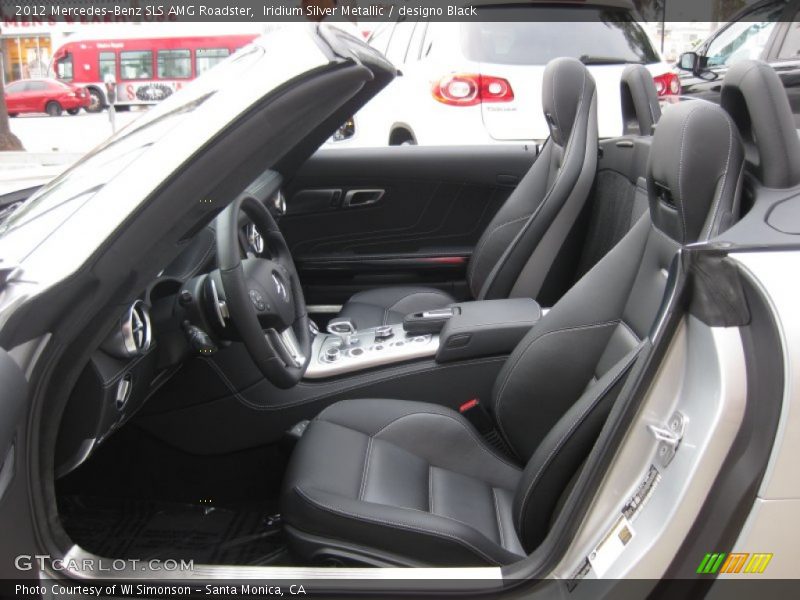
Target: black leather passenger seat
x: 520, y: 246
x: 404, y: 483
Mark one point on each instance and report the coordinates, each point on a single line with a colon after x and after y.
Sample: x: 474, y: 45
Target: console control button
x: 332, y: 353
x: 384, y: 332
x: 356, y: 352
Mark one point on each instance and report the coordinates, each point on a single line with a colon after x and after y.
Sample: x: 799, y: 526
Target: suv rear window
x: 602, y: 35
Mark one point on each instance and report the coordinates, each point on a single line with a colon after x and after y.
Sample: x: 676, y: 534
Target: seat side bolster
x: 554, y: 362
x: 562, y: 452
x: 429, y: 537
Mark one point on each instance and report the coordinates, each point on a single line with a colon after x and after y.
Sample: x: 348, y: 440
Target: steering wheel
x: 263, y: 296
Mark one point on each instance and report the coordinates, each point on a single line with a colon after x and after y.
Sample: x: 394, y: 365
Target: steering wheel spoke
x: 288, y: 345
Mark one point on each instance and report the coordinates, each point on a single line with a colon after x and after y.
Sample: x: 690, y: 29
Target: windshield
x: 69, y: 191
x: 596, y: 35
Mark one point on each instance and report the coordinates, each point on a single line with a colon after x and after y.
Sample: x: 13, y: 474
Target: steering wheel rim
x: 245, y: 291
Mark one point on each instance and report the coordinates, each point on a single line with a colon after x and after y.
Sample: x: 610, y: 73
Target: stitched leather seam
x: 483, y: 241
x: 499, y: 519
x: 718, y: 199
x: 682, y: 210
x: 430, y: 489
x: 394, y: 524
x: 569, y: 149
x: 522, y: 512
x: 476, y: 439
x: 499, y: 400
x: 365, y: 469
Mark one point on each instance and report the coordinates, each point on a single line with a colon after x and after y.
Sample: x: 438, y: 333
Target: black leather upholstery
x: 383, y: 306
x: 754, y: 96
x: 516, y: 252
x: 619, y: 197
x: 520, y: 244
x: 640, y: 108
x: 410, y: 483
x: 693, y: 165
x: 410, y: 478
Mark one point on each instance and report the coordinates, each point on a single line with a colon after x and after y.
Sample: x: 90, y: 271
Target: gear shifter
x: 345, y: 330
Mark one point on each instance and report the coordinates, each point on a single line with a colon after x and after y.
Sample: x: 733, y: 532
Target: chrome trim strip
x: 324, y: 308
x: 136, y: 330
x: 342, y: 577
x: 363, y: 351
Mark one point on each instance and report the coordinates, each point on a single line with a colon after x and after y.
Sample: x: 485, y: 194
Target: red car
x: 45, y: 96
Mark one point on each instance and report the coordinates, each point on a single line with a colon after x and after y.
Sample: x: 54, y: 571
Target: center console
x: 460, y: 331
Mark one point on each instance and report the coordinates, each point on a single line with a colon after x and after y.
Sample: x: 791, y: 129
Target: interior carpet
x: 207, y: 534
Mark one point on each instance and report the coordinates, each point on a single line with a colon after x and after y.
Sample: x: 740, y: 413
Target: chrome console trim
x: 365, y: 351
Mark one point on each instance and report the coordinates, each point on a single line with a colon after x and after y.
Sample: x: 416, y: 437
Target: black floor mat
x: 207, y: 534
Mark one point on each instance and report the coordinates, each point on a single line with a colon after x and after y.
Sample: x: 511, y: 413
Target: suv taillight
x: 468, y: 89
x: 667, y: 84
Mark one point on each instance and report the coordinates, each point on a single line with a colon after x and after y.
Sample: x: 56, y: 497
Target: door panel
x: 360, y: 218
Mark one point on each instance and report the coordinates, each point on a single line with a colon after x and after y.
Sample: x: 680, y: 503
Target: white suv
x: 481, y: 82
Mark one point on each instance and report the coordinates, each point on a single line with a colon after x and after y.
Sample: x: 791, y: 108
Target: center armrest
x: 486, y: 328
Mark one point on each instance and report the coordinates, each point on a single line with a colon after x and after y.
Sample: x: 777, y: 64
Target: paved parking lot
x: 72, y: 134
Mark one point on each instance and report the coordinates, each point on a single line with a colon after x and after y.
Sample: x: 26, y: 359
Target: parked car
x: 481, y: 81
x: 45, y: 96
x: 768, y: 30
x: 173, y: 421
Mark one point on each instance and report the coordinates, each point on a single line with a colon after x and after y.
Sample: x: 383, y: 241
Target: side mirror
x: 697, y: 65
x: 689, y: 61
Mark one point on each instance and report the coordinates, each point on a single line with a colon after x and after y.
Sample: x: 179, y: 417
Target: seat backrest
x: 756, y: 100
x: 553, y: 394
x: 640, y: 108
x: 619, y: 197
x: 521, y: 242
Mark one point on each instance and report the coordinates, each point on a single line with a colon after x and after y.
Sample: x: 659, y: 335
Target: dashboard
x: 146, y: 347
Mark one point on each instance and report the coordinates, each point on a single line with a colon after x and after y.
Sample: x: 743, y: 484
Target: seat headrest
x: 694, y: 172
x: 640, y: 107
x: 567, y: 92
x: 756, y: 100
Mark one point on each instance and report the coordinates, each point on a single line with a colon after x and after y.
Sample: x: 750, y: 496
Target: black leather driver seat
x: 530, y: 228
x: 407, y: 483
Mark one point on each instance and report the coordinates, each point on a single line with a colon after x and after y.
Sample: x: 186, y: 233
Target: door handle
x: 355, y: 198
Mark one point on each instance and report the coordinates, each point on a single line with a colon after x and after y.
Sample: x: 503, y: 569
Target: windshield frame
x: 78, y: 233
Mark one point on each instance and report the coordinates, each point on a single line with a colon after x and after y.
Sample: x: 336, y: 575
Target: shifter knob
x: 344, y: 329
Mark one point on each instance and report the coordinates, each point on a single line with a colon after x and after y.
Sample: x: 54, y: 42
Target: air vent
x: 136, y: 332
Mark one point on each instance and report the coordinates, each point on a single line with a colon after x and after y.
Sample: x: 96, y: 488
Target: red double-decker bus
x: 146, y: 69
